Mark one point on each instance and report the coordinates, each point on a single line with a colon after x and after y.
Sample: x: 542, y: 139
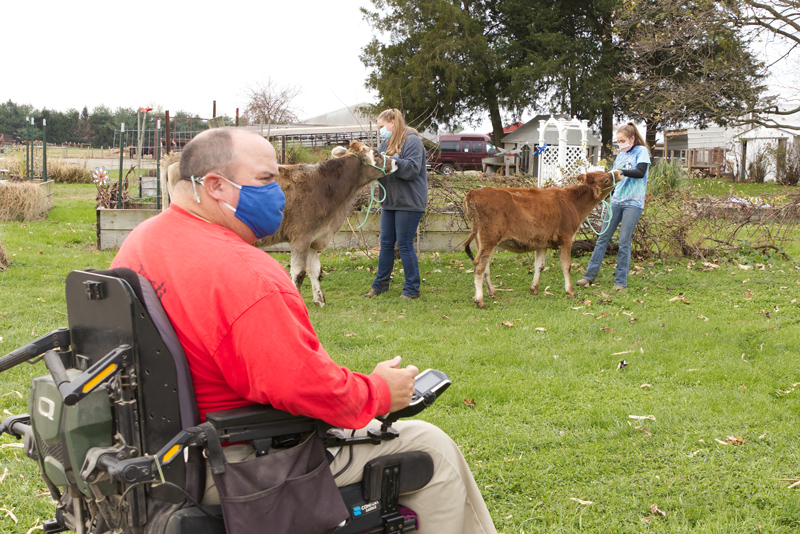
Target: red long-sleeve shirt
x: 243, y: 325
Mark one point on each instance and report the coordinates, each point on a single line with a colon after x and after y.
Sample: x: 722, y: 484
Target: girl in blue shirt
x: 627, y: 204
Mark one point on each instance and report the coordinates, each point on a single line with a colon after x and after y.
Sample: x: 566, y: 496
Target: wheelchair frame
x: 119, y: 401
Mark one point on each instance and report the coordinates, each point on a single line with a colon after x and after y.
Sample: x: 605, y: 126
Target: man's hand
x: 400, y: 381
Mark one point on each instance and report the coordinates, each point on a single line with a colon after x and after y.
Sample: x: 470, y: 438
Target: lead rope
x: 372, y: 197
x: 603, y: 219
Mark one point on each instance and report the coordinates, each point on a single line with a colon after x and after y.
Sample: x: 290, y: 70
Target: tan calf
x: 524, y: 220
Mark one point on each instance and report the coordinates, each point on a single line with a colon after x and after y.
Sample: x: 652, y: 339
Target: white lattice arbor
x: 556, y: 161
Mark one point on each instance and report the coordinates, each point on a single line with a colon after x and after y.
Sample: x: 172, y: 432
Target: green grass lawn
x: 721, y: 187
x: 702, y: 421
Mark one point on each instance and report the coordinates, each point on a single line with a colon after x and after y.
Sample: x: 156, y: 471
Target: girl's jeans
x: 398, y: 226
x: 626, y: 218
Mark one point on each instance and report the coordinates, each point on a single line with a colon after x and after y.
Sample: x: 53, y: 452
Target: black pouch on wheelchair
x: 287, y: 490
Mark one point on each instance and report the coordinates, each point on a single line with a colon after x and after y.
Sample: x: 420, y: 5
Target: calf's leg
x: 298, y: 263
x: 538, y: 264
x: 487, y: 277
x: 315, y: 274
x: 481, y: 265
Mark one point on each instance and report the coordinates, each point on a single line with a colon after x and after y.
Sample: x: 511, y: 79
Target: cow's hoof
x: 480, y: 305
x: 319, y: 303
x: 534, y: 291
x: 571, y: 293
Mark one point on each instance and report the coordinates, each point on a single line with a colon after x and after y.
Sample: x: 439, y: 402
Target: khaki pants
x: 450, y: 503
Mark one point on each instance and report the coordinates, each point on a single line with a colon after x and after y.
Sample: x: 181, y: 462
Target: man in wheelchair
x: 244, y: 340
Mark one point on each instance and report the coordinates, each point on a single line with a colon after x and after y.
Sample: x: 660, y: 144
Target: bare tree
x: 268, y: 102
x: 778, y: 22
x: 685, y: 62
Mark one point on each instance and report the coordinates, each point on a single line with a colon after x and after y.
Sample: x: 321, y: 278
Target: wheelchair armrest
x: 258, y: 422
x: 249, y: 415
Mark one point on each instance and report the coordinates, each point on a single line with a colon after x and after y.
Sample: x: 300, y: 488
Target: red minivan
x: 462, y: 152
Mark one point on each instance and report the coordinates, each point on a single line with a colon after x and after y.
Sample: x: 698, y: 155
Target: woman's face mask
x: 260, y: 207
x: 386, y: 134
x: 625, y: 144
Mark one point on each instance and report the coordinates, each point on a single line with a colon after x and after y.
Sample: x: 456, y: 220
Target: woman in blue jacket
x: 406, y: 201
x: 627, y: 204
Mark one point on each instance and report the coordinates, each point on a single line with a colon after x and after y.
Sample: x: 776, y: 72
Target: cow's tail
x: 467, y: 243
x: 474, y: 233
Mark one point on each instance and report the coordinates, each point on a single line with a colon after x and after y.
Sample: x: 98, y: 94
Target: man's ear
x: 214, y: 186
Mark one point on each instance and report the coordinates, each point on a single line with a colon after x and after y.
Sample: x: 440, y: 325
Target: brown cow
x: 318, y: 199
x: 523, y: 220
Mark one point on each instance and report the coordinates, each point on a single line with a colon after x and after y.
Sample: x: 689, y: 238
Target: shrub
x: 22, y: 201
x: 302, y: 154
x: 758, y: 166
x: 666, y: 176
x: 791, y: 167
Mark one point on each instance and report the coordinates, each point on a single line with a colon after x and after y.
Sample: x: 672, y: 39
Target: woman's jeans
x: 626, y: 218
x: 398, y: 226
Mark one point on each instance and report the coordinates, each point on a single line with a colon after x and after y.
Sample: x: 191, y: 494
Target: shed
x: 715, y: 148
x: 760, y: 145
x: 527, y: 138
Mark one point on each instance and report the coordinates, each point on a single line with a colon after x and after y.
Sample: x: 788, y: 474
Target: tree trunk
x: 497, y: 122
x: 606, y: 128
x: 650, y: 134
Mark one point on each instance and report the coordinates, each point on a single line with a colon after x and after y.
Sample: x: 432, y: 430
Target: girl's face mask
x: 260, y: 207
x: 625, y: 144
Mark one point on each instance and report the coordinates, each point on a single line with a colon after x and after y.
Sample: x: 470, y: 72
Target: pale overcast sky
x: 185, y: 55
x: 182, y: 55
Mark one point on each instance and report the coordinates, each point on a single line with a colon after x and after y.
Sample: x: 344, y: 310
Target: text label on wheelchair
x: 366, y: 508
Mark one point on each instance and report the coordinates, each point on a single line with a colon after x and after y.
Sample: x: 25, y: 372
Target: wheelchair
x: 116, y: 433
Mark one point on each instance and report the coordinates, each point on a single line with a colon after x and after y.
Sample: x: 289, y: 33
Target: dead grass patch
x: 22, y: 201
x: 62, y: 172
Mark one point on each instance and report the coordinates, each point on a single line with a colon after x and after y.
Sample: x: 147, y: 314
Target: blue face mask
x: 386, y: 134
x: 260, y: 207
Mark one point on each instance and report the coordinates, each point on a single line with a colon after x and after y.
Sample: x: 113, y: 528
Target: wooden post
x: 167, y: 134
x: 780, y: 161
x: 743, y: 170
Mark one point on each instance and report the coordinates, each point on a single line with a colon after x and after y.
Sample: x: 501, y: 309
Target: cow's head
x: 601, y: 183
x: 368, y: 156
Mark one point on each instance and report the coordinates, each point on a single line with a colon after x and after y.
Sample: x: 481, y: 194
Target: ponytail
x: 630, y: 130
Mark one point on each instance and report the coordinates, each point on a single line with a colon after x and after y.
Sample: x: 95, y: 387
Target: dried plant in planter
x: 22, y: 201
x: 108, y: 194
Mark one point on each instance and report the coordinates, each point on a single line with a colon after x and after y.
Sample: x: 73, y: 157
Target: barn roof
x: 345, y: 116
